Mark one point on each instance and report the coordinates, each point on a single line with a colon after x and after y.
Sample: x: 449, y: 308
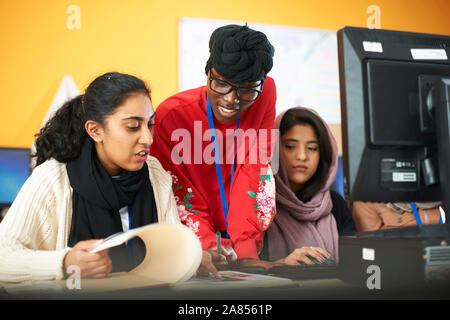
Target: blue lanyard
x: 217, y: 160
x: 417, y: 216
x: 129, y: 248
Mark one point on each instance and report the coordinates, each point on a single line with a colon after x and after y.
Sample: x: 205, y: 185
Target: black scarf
x: 97, y: 198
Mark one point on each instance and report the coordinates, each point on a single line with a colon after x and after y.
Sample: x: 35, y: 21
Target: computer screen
x: 14, y: 170
x: 394, y: 102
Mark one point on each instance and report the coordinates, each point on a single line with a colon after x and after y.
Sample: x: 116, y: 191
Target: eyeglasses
x: 243, y: 93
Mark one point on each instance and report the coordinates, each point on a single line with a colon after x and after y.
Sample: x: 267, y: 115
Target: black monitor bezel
x: 353, y: 58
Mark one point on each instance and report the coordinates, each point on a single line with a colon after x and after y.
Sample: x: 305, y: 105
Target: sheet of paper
x: 173, y: 255
x: 234, y: 279
x: 119, y: 238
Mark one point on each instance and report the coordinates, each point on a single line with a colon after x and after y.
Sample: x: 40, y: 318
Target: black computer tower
x: 393, y: 259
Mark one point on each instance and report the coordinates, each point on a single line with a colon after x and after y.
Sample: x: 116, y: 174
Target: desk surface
x: 294, y: 290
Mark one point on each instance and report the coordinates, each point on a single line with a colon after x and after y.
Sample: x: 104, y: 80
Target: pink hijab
x: 299, y: 224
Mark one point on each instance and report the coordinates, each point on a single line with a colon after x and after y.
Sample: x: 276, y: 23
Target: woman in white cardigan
x: 94, y: 177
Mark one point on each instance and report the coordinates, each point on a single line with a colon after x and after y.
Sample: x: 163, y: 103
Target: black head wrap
x: 240, y: 54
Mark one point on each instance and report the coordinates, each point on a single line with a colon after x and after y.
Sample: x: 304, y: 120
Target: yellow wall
x: 140, y: 37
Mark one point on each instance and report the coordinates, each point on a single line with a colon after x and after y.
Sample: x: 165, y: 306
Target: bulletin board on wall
x: 305, y: 65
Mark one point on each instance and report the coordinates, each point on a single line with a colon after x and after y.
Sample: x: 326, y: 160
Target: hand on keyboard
x: 324, y: 261
x: 306, y: 255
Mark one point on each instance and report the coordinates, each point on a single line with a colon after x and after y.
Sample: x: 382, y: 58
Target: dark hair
x: 63, y: 135
x: 293, y: 117
x: 240, y: 54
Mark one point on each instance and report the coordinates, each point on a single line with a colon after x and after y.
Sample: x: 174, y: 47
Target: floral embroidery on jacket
x: 265, y: 200
x: 184, y: 207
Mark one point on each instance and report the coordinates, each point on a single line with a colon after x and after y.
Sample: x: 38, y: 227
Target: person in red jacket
x: 215, y: 141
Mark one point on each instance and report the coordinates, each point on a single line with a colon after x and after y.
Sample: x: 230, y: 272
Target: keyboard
x: 306, y: 271
x: 300, y: 272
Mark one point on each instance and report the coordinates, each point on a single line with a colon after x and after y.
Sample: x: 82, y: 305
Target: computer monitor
x: 14, y: 170
x: 395, y: 112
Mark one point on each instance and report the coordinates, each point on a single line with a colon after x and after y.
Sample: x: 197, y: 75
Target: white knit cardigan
x: 35, y: 231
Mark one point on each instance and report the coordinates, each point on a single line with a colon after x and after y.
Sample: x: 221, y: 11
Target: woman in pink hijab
x: 310, y: 217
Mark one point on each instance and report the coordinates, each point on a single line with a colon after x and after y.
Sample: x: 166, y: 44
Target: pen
x: 218, y: 237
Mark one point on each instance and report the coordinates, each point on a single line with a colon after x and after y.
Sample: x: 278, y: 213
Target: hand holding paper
x: 96, y: 265
x: 173, y: 254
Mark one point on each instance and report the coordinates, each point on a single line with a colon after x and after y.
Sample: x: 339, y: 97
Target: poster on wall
x: 305, y: 65
x: 67, y: 90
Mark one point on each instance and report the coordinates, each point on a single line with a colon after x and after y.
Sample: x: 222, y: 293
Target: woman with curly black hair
x: 94, y: 177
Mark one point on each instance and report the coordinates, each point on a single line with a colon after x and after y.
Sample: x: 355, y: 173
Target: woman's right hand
x: 303, y: 254
x: 211, y: 259
x: 91, y: 265
x: 207, y: 265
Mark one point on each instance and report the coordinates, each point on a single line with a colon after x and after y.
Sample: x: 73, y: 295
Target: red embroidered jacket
x: 182, y: 143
